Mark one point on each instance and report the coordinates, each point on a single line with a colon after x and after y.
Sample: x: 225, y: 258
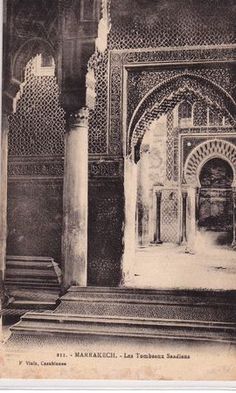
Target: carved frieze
x: 51, y: 168
x: 35, y: 169
x: 106, y: 168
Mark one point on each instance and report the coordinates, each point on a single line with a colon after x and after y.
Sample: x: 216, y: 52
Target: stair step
x: 30, y: 273
x: 58, y: 317
x: 31, y: 265
x: 48, y: 323
x: 42, y: 293
x: 32, y: 282
x: 28, y: 258
x: 11, y: 285
x: 134, y: 295
x: 132, y: 313
x: 15, y: 311
x: 159, y: 304
x: 31, y: 305
x: 28, y: 278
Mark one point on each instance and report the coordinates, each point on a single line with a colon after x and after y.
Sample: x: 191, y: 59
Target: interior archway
x: 161, y: 237
x: 163, y: 97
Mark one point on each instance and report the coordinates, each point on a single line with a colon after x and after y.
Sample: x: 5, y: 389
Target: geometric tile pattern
x: 38, y: 125
x: 169, y: 216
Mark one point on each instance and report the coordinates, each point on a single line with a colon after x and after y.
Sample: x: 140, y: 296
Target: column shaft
x: 75, y: 201
x: 3, y: 205
x: 234, y: 217
x: 130, y: 186
x: 157, y: 234
x: 191, y: 230
x: 143, y: 197
x: 3, y: 194
x: 184, y: 217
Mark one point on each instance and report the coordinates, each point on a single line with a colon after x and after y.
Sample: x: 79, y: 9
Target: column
x: 234, y: 217
x: 191, y: 220
x: 143, y: 196
x: 184, y: 217
x: 157, y: 234
x: 75, y: 200
x: 3, y: 201
x: 3, y: 195
x: 197, y: 204
x: 130, y: 186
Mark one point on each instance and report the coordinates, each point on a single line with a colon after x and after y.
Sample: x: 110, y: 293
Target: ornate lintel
x: 79, y: 118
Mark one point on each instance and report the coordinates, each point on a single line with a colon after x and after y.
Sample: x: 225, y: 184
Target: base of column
x: 233, y: 245
x: 188, y: 251
x: 156, y: 242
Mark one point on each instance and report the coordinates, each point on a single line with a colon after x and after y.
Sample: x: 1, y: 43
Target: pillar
x: 143, y: 197
x: 191, y: 219
x: 3, y: 203
x: 3, y: 193
x: 157, y: 234
x: 197, y: 204
x: 234, y: 217
x: 184, y: 217
x: 130, y: 187
x: 75, y: 200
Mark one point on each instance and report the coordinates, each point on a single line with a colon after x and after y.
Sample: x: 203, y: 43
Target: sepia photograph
x: 118, y: 190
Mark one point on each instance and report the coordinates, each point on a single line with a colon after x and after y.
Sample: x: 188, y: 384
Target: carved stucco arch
x: 168, y: 94
x: 28, y: 50
x: 214, y: 148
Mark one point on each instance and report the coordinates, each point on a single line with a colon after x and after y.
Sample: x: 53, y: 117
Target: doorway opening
x: 215, y: 207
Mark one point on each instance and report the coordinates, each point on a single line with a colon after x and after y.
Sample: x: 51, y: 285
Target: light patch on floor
x: 167, y: 266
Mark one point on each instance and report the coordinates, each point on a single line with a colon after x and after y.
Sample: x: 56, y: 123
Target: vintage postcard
x: 118, y: 190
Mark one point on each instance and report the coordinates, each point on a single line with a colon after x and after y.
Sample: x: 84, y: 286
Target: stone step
x: 34, y: 295
x: 29, y: 265
x: 151, y: 295
x: 46, y: 323
x: 28, y: 258
x: 29, y: 281
x: 125, y: 312
x: 20, y: 268
x: 37, y: 273
x: 13, y: 283
x: 14, y: 312
x: 184, y: 305
x: 32, y: 304
x: 26, y: 262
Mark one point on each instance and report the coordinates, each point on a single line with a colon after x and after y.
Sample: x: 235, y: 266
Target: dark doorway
x: 215, y: 210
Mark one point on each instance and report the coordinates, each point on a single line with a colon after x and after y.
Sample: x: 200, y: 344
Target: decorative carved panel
x: 152, y: 24
x: 169, y: 216
x: 37, y: 127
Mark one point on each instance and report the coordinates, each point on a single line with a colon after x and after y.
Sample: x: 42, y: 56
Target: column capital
x: 158, y: 193
x: 184, y: 193
x: 79, y: 118
x: 5, y: 122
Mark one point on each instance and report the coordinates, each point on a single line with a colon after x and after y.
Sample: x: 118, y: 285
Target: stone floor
x: 167, y: 266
